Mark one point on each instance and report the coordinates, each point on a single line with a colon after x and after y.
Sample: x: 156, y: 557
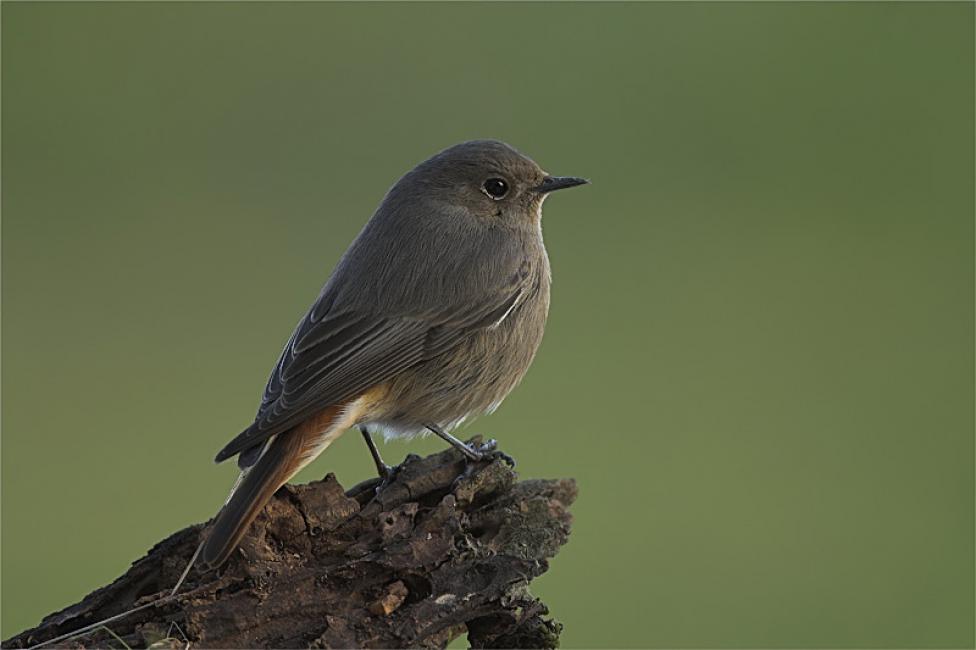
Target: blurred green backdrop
x: 759, y: 363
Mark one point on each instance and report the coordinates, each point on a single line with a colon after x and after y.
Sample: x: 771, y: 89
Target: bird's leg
x: 385, y: 471
x: 484, y: 451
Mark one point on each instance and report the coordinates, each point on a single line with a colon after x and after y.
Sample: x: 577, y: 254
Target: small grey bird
x: 432, y: 316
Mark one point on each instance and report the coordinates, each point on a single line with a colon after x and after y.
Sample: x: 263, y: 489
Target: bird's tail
x: 253, y: 490
x: 285, y: 454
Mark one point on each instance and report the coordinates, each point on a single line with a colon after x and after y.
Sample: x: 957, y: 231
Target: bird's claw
x: 487, y: 451
x: 501, y: 455
x: 387, y: 475
x: 488, y: 445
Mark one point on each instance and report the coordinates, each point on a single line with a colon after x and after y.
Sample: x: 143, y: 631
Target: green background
x: 759, y: 362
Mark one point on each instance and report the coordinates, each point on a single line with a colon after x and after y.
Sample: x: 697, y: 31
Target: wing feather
x: 334, y: 356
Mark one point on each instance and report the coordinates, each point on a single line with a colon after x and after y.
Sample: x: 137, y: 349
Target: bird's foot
x: 476, y: 452
x: 487, y: 451
x: 387, y: 475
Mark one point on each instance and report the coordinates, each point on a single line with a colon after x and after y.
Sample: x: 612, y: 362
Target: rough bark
x: 443, y: 549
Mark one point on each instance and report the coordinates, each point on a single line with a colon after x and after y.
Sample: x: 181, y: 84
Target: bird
x: 431, y: 317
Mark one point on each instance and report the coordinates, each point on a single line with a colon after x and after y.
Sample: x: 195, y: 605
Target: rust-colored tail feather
x: 255, y: 489
x: 287, y: 453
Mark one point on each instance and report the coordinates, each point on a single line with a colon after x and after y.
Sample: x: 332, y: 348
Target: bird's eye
x: 496, y: 188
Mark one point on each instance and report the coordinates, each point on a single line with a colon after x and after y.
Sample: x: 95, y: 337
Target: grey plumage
x: 433, y: 314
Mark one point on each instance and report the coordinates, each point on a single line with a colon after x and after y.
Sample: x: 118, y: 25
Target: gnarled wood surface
x: 445, y: 548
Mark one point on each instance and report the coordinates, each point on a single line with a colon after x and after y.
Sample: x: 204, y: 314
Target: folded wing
x: 336, y: 355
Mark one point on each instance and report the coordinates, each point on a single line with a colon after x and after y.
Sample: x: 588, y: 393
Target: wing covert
x: 337, y: 355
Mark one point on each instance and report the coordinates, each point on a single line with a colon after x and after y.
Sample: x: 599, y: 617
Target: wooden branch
x: 445, y: 548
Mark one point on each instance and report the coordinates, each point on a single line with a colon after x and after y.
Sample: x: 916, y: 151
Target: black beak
x: 553, y: 183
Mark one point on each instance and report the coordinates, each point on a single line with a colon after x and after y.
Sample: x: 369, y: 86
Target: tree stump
x: 446, y: 548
